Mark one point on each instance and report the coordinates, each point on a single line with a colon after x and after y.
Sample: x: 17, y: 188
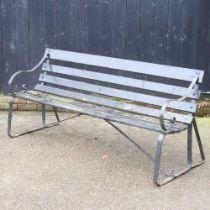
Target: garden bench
x: 156, y: 97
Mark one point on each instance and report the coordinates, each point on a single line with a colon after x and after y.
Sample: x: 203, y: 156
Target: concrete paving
x: 85, y: 164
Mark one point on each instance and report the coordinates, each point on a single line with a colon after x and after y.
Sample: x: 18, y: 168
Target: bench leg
x: 147, y: 154
x: 158, y: 158
x: 198, y: 140
x: 189, y: 146
x: 43, y: 114
x: 56, y: 114
x: 11, y: 103
x: 190, y: 164
x: 44, y: 125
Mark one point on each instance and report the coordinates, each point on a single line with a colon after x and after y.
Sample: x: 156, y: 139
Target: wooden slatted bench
x: 159, y: 98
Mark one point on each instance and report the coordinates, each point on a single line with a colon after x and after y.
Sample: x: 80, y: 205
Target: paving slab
x: 85, y: 164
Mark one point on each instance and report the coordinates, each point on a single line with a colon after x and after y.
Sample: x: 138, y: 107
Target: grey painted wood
x: 115, y: 104
x: 127, y: 65
x: 184, y: 106
x: 120, y: 80
x: 106, y: 113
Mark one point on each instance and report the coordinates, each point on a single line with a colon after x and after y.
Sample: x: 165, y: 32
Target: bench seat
x: 102, y: 112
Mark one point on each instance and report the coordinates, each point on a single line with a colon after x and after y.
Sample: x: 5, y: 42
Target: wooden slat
x: 105, y: 113
x: 184, y: 106
x: 114, y: 104
x: 127, y: 65
x: 120, y: 80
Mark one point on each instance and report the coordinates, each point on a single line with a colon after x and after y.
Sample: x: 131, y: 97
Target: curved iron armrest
x: 25, y: 71
x: 185, y: 96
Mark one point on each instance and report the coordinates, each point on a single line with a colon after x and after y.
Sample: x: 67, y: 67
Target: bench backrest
x: 95, y: 79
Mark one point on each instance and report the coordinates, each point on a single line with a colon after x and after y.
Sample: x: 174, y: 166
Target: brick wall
x: 20, y: 105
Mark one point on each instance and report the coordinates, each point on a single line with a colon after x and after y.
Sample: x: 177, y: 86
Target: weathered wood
x: 127, y: 65
x: 114, y: 104
x: 184, y: 106
x: 120, y: 80
x: 105, y: 113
